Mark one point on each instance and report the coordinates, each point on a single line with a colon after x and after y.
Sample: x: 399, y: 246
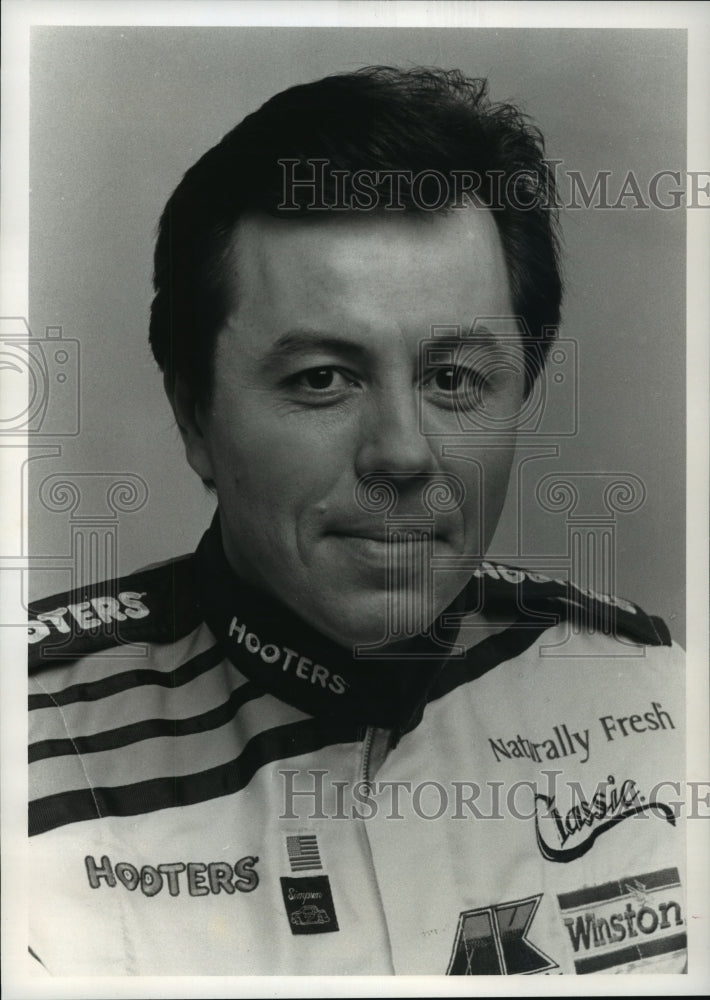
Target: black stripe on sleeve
x: 116, y: 683
x: 148, y: 729
x: 281, y: 742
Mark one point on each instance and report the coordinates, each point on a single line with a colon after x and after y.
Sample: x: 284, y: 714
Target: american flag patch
x: 303, y: 853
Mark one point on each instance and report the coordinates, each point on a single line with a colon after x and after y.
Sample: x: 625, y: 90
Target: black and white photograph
x: 354, y: 487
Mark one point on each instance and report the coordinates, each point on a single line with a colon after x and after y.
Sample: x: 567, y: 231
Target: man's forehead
x: 445, y: 267
x: 461, y: 228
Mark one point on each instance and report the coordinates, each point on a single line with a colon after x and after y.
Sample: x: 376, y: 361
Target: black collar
x: 288, y: 658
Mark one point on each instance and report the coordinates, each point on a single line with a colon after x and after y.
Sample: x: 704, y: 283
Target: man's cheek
x: 485, y: 488
x: 496, y: 492
x: 472, y: 508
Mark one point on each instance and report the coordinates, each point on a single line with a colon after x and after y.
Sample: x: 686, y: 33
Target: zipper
x: 375, y: 744
x: 374, y: 750
x: 367, y: 754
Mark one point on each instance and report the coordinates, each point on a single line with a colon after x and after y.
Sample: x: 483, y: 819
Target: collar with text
x: 274, y: 647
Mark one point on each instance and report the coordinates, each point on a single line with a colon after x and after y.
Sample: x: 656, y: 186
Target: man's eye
x: 448, y: 379
x: 466, y: 384
x: 319, y: 378
x: 322, y: 378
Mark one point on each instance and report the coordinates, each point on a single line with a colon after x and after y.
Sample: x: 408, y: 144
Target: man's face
x: 319, y: 382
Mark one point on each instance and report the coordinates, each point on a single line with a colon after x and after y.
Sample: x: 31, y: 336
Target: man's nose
x: 391, y: 440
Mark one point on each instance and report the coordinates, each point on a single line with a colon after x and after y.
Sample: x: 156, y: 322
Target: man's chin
x: 381, y: 621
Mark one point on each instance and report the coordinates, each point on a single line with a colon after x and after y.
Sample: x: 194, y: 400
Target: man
x: 335, y: 739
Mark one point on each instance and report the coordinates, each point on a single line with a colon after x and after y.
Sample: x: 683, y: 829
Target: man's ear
x: 189, y: 423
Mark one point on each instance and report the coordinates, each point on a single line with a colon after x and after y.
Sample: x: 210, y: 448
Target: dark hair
x: 424, y: 122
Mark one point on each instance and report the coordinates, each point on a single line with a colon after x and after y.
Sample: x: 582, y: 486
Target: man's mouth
x: 393, y: 534
x: 375, y: 546
x: 395, y: 537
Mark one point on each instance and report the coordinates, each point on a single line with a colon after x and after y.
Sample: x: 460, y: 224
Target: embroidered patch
x: 492, y: 941
x: 309, y: 904
x: 178, y: 877
x: 626, y: 922
x: 303, y: 853
x: 564, y: 836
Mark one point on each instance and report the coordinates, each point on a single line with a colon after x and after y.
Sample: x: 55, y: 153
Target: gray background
x: 117, y: 116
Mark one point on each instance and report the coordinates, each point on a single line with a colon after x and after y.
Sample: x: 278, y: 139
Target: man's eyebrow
x: 476, y: 336
x: 300, y: 341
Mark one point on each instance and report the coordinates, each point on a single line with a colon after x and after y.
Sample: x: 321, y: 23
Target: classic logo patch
x: 309, y: 904
x: 566, y: 836
x: 492, y: 941
x: 628, y: 921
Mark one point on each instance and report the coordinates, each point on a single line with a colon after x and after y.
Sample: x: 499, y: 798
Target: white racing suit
x: 216, y: 789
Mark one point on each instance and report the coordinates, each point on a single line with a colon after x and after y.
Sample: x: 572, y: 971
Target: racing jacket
x: 218, y: 789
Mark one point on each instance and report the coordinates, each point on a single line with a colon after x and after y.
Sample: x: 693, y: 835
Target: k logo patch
x: 492, y: 941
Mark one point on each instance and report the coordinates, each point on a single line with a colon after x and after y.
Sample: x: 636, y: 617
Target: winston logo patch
x: 627, y: 922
